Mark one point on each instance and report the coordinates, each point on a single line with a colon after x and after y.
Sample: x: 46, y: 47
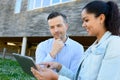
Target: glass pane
x: 65, y: 0
x: 30, y: 4
x: 18, y: 6
x: 38, y: 3
x: 55, y: 1
x: 46, y: 3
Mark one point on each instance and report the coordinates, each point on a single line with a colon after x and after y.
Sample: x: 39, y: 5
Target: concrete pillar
x: 24, y: 43
x: 4, y: 53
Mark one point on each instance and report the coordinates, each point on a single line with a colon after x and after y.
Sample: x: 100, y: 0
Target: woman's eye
x: 51, y: 27
x: 86, y: 20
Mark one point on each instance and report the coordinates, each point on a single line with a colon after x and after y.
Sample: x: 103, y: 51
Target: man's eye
x: 59, y: 25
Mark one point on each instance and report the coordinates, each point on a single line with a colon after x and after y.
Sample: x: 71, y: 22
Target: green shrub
x: 11, y: 70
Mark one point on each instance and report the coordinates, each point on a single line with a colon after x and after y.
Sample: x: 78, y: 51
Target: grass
x: 11, y: 70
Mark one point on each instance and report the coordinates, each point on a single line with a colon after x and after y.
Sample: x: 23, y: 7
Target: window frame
x: 51, y: 4
x: 18, y: 5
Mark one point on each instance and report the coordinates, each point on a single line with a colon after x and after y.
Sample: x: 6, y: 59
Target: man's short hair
x: 55, y: 14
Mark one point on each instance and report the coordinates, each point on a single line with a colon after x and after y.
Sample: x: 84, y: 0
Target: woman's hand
x: 44, y: 73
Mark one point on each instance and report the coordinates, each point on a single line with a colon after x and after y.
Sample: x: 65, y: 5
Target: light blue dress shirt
x: 69, y: 56
x: 100, y: 62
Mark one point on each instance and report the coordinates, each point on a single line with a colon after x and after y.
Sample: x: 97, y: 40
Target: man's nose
x: 56, y: 29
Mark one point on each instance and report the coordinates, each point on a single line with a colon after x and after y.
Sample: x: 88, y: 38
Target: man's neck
x: 65, y: 38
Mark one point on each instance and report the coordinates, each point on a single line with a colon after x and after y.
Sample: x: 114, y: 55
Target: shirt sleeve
x: 66, y: 74
x: 76, y: 58
x: 63, y: 78
x: 41, y: 55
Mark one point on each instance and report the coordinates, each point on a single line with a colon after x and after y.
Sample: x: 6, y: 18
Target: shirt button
x: 82, y: 67
x: 79, y: 78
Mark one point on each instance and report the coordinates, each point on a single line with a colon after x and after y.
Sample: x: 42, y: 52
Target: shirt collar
x: 104, y: 37
x: 67, y: 41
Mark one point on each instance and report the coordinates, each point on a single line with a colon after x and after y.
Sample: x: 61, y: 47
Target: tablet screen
x: 25, y: 62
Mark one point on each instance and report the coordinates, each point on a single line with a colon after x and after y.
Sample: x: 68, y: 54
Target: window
x: 30, y: 4
x: 55, y: 1
x: 46, y: 3
x: 38, y: 3
x: 65, y: 0
x: 18, y: 6
x: 33, y: 4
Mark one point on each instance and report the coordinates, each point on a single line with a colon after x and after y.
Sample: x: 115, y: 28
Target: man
x: 60, y: 48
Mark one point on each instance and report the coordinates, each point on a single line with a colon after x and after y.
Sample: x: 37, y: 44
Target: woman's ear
x: 102, y: 18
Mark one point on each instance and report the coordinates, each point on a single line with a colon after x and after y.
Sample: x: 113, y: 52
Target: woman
x: 101, y: 60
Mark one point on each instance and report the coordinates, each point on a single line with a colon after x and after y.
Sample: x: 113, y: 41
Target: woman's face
x: 93, y: 25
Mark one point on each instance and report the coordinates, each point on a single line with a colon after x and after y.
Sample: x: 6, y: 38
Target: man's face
x: 58, y: 27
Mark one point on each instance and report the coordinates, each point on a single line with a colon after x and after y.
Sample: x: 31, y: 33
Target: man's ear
x: 67, y: 26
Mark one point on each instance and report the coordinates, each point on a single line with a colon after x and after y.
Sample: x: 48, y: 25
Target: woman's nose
x: 83, y: 25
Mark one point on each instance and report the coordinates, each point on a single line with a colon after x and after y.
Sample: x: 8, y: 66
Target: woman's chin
x: 89, y: 34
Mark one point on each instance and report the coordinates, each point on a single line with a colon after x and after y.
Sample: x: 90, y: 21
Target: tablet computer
x: 25, y: 62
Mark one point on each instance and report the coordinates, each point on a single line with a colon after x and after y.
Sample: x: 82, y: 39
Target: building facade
x: 29, y: 27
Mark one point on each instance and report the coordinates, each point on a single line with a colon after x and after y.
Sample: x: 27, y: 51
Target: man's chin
x: 57, y: 38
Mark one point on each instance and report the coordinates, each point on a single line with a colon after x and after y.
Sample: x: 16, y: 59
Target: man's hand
x: 52, y: 65
x: 44, y: 73
x: 57, y: 46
